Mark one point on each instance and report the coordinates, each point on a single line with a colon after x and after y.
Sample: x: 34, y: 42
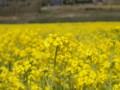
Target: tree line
x: 14, y: 3
x: 8, y: 3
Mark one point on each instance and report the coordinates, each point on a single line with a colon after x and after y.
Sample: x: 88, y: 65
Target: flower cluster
x: 60, y: 57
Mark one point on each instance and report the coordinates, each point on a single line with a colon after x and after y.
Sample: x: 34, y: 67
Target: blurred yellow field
x: 60, y: 56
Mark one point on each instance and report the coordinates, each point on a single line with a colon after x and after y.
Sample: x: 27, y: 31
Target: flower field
x: 60, y: 56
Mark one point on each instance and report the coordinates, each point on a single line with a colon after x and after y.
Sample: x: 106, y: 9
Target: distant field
x: 60, y: 56
x: 78, y: 13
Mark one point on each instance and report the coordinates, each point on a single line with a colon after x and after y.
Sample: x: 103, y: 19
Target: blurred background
x: 47, y: 11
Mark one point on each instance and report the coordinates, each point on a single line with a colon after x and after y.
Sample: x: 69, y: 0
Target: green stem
x: 55, y: 56
x: 55, y: 59
x: 10, y: 66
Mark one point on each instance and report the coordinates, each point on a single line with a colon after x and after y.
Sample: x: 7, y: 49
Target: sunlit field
x: 60, y: 56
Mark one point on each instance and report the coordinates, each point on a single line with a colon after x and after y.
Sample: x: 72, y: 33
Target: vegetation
x: 13, y: 7
x: 67, y: 56
x: 22, y: 6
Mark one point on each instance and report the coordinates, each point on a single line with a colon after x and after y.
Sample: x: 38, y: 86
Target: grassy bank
x: 79, y: 13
